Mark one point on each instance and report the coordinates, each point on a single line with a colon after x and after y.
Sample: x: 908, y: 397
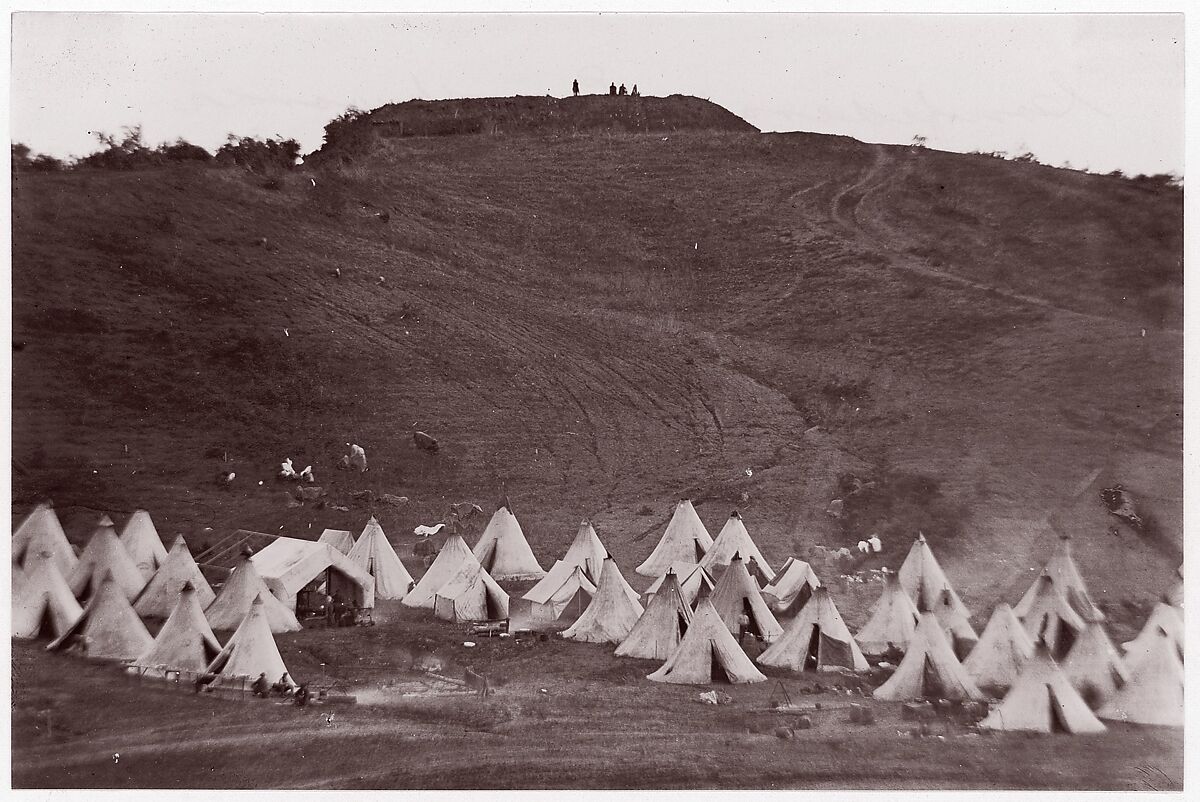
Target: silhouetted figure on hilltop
x: 622, y: 91
x: 575, y: 87
x: 612, y: 89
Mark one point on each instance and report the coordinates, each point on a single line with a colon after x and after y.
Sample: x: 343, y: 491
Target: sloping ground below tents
x: 596, y: 713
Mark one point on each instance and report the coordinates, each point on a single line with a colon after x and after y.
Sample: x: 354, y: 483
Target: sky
x: 1101, y: 92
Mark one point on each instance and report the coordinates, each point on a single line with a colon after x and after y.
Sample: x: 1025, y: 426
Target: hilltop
x: 598, y: 323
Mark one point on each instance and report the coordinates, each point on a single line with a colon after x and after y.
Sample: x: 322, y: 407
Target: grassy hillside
x: 597, y: 324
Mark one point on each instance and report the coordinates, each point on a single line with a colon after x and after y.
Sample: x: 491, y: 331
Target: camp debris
x: 504, y: 552
x: 733, y: 540
x: 42, y: 603
x: 1042, y: 700
x: 105, y: 556
x: 613, y: 611
x: 251, y: 651
x: 41, y: 536
x: 159, y: 598
x: 708, y: 653
x: 892, y: 622
x: 108, y: 628
x: 471, y: 595
x: 450, y: 560
x: 140, y: 538
x: 1061, y: 568
x: 658, y: 631
x: 735, y: 596
x: 374, y: 554
x: 816, y: 640
x: 996, y: 660
x: 185, y: 643
x: 232, y: 604
x: 924, y: 580
x: 1154, y: 692
x: 929, y: 668
x: 684, y: 541
x: 791, y: 588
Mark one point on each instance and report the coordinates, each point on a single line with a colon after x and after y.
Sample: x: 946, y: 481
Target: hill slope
x: 601, y: 323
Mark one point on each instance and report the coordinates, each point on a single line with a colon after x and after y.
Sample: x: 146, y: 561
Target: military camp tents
x: 817, y: 639
x: 1063, y: 571
x: 929, y: 668
x: 658, y: 631
x: 924, y: 580
x: 504, y: 552
x: 105, y: 556
x: 471, y: 595
x: 692, y: 581
x: 185, y: 643
x: 892, y: 622
x: 289, y: 565
x: 1166, y: 617
x: 41, y: 536
x: 251, y: 651
x: 612, y: 612
x: 42, y: 604
x: 733, y: 540
x: 1154, y: 692
x: 707, y: 653
x: 1042, y: 700
x: 243, y: 586
x: 736, y: 596
x: 159, y: 598
x: 791, y: 588
x: 108, y: 628
x: 340, y: 539
x: 958, y: 627
x: 684, y: 541
x: 561, y: 595
x: 996, y: 660
x: 450, y: 560
x: 140, y: 538
x: 1093, y: 665
x: 374, y: 554
x: 587, y: 551
x: 1050, y: 617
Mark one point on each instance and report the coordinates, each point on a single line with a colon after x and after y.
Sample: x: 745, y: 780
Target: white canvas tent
x: 587, y: 551
x: 692, y: 581
x: 1154, y: 692
x: 1051, y: 618
x: 816, y: 640
x: 108, y: 629
x: 736, y: 596
x: 41, y: 536
x: 791, y: 588
x: 374, y: 554
x: 243, y: 586
x: 923, y: 579
x: 660, y: 628
x: 612, y: 612
x: 958, y: 627
x: 708, y: 653
x: 450, y: 561
x: 288, y: 565
x: 1166, y: 617
x: 1042, y: 700
x: 340, y: 539
x: 185, y: 643
x: 1094, y: 667
x: 105, y: 556
x: 504, y: 552
x: 733, y: 540
x: 471, y: 595
x: 929, y: 668
x: 159, y: 598
x: 42, y: 604
x: 1065, y: 574
x: 996, y: 660
x: 562, y: 595
x: 892, y: 622
x: 140, y: 538
x: 250, y: 651
x: 684, y: 541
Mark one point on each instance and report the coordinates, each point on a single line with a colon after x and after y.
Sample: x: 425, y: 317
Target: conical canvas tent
x: 792, y: 587
x: 1165, y: 617
x: 140, y: 538
x: 159, y: 598
x: 734, y: 540
x: 108, y: 629
x: 43, y: 605
x: 929, y: 668
x: 1042, y: 700
x: 451, y: 559
x: 1154, y: 692
x: 504, y: 552
x: 232, y: 604
x: 612, y: 613
x: 924, y: 580
x: 684, y: 541
x: 1001, y: 653
x: 1051, y: 618
x: 958, y: 628
x: 816, y: 640
x: 893, y: 621
x: 1062, y: 570
x: 342, y: 540
x: 41, y: 536
x: 250, y: 651
x: 185, y: 643
x: 105, y: 556
x: 1094, y: 667
x: 562, y: 595
x: 472, y: 595
x: 736, y: 595
x: 587, y: 551
x: 692, y: 581
x: 707, y: 653
x: 375, y: 555
x: 657, y: 633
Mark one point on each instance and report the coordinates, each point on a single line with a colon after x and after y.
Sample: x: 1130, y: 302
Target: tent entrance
x: 716, y: 670
x: 492, y: 607
x: 683, y: 624
x: 1058, y: 722
x: 931, y: 681
x: 812, y: 654
x: 748, y: 611
x: 1064, y: 642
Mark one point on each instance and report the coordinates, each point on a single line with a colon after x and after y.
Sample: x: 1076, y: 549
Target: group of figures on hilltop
x: 612, y: 89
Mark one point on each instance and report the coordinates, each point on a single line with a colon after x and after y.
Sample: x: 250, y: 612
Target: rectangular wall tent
x: 289, y: 564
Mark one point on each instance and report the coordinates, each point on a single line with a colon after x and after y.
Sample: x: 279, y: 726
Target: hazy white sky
x: 1103, y: 91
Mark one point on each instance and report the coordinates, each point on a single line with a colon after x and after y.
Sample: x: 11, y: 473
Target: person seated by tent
x: 283, y: 687
x: 612, y: 89
x: 261, y: 686
x: 622, y: 91
x: 301, y: 696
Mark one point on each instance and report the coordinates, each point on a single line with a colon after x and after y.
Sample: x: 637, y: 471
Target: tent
x: 41, y: 536
x: 1003, y: 649
x: 504, y: 552
x: 1062, y: 569
x: 791, y: 588
x: 251, y: 651
x: 733, y: 540
x: 1166, y: 617
x: 1051, y: 618
x: 1093, y: 666
x: 340, y: 539
x: 924, y: 580
x: 375, y: 555
x: 954, y: 620
x: 242, y: 587
x: 707, y: 653
x: 1154, y: 692
x: 736, y: 594
x: 1042, y: 700
x: 929, y: 668
x: 1174, y: 594
x: 289, y: 565
x: 892, y: 622
x: 186, y: 641
x: 108, y: 628
x: 817, y: 639
x: 159, y: 598
x: 587, y: 551
x: 105, y: 556
x: 685, y: 540
x: 451, y: 558
x: 140, y: 538
x: 471, y: 595
x: 692, y: 581
x: 612, y: 613
x: 42, y: 603
x: 657, y: 633
x: 562, y: 594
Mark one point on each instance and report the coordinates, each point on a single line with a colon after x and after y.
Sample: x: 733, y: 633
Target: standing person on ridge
x: 575, y: 87
x: 612, y: 89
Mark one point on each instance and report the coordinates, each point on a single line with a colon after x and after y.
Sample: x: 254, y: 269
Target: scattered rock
x: 311, y: 493
x: 425, y: 442
x: 804, y: 723
x: 395, y: 501
x: 785, y: 733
